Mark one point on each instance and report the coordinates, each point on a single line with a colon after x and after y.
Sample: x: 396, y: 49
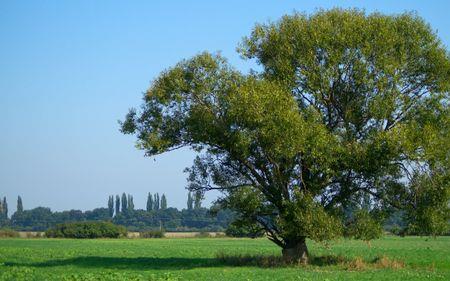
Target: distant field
x: 34, y: 234
x: 195, y: 259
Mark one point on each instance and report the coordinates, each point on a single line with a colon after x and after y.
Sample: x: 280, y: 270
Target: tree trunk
x: 296, y: 253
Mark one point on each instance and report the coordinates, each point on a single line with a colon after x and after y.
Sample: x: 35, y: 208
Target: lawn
x: 196, y: 259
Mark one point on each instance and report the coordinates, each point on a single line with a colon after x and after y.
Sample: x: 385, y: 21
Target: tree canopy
x: 347, y: 106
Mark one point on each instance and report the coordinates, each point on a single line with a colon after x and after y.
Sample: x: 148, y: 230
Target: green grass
x: 195, y: 259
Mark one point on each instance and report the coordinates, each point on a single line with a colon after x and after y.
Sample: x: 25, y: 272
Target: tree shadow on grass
x: 174, y: 263
x: 135, y: 263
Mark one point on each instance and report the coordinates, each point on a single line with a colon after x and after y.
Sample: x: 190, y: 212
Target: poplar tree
x: 149, y: 202
x: 124, y: 203
x: 198, y: 200
x: 19, y: 204
x: 190, y: 202
x: 156, y: 201
x: 117, y: 204
x: 1, y: 209
x: 111, y: 205
x: 163, y: 202
x: 130, y: 202
x: 5, y: 208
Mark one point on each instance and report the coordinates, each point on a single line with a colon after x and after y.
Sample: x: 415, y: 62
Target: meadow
x: 390, y: 258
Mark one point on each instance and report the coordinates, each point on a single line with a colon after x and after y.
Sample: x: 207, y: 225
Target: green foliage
x: 39, y: 218
x: 97, y: 214
x: 3, y: 209
x: 156, y: 202
x: 363, y: 226
x: 117, y: 205
x: 190, y: 202
x: 19, y: 204
x: 111, y: 206
x: 124, y: 203
x: 151, y: 234
x: 198, y: 196
x: 130, y: 203
x: 347, y: 104
x: 149, y: 202
x: 163, y: 202
x: 430, y: 213
x: 307, y: 218
x: 86, y: 230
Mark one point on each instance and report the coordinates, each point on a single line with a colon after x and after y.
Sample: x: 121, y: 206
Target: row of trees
x: 125, y: 203
x: 170, y: 219
x: 121, y: 210
x: 193, y: 218
x: 155, y: 203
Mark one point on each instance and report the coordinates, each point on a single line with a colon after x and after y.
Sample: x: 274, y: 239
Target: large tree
x: 347, y: 106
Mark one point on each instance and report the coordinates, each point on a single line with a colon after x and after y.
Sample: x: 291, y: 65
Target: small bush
x: 363, y: 227
x: 152, y: 234
x: 8, y: 233
x: 86, y: 230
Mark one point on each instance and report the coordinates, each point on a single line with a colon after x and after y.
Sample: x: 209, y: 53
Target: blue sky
x: 70, y: 69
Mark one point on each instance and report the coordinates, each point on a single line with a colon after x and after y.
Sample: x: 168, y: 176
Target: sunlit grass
x: 390, y: 258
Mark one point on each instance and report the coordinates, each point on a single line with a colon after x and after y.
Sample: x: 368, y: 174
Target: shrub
x: 152, y: 234
x: 86, y: 230
x: 364, y: 227
x: 8, y: 233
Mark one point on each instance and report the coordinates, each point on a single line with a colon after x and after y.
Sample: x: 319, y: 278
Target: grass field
x: 196, y: 259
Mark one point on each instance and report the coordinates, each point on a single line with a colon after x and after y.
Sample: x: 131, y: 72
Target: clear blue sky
x: 70, y: 69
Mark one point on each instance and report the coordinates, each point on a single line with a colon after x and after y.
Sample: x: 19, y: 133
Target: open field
x: 196, y: 259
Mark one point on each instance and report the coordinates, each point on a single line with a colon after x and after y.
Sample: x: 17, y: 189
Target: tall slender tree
x: 130, y: 203
x: 124, y: 203
x: 1, y: 209
x: 149, y: 202
x: 19, y: 204
x: 117, y: 204
x: 190, y: 202
x: 156, y: 201
x: 111, y: 205
x: 5, y: 208
x: 163, y: 202
x: 198, y: 200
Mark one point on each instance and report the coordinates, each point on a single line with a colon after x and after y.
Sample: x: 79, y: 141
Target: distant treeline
x: 157, y: 215
x: 121, y: 211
